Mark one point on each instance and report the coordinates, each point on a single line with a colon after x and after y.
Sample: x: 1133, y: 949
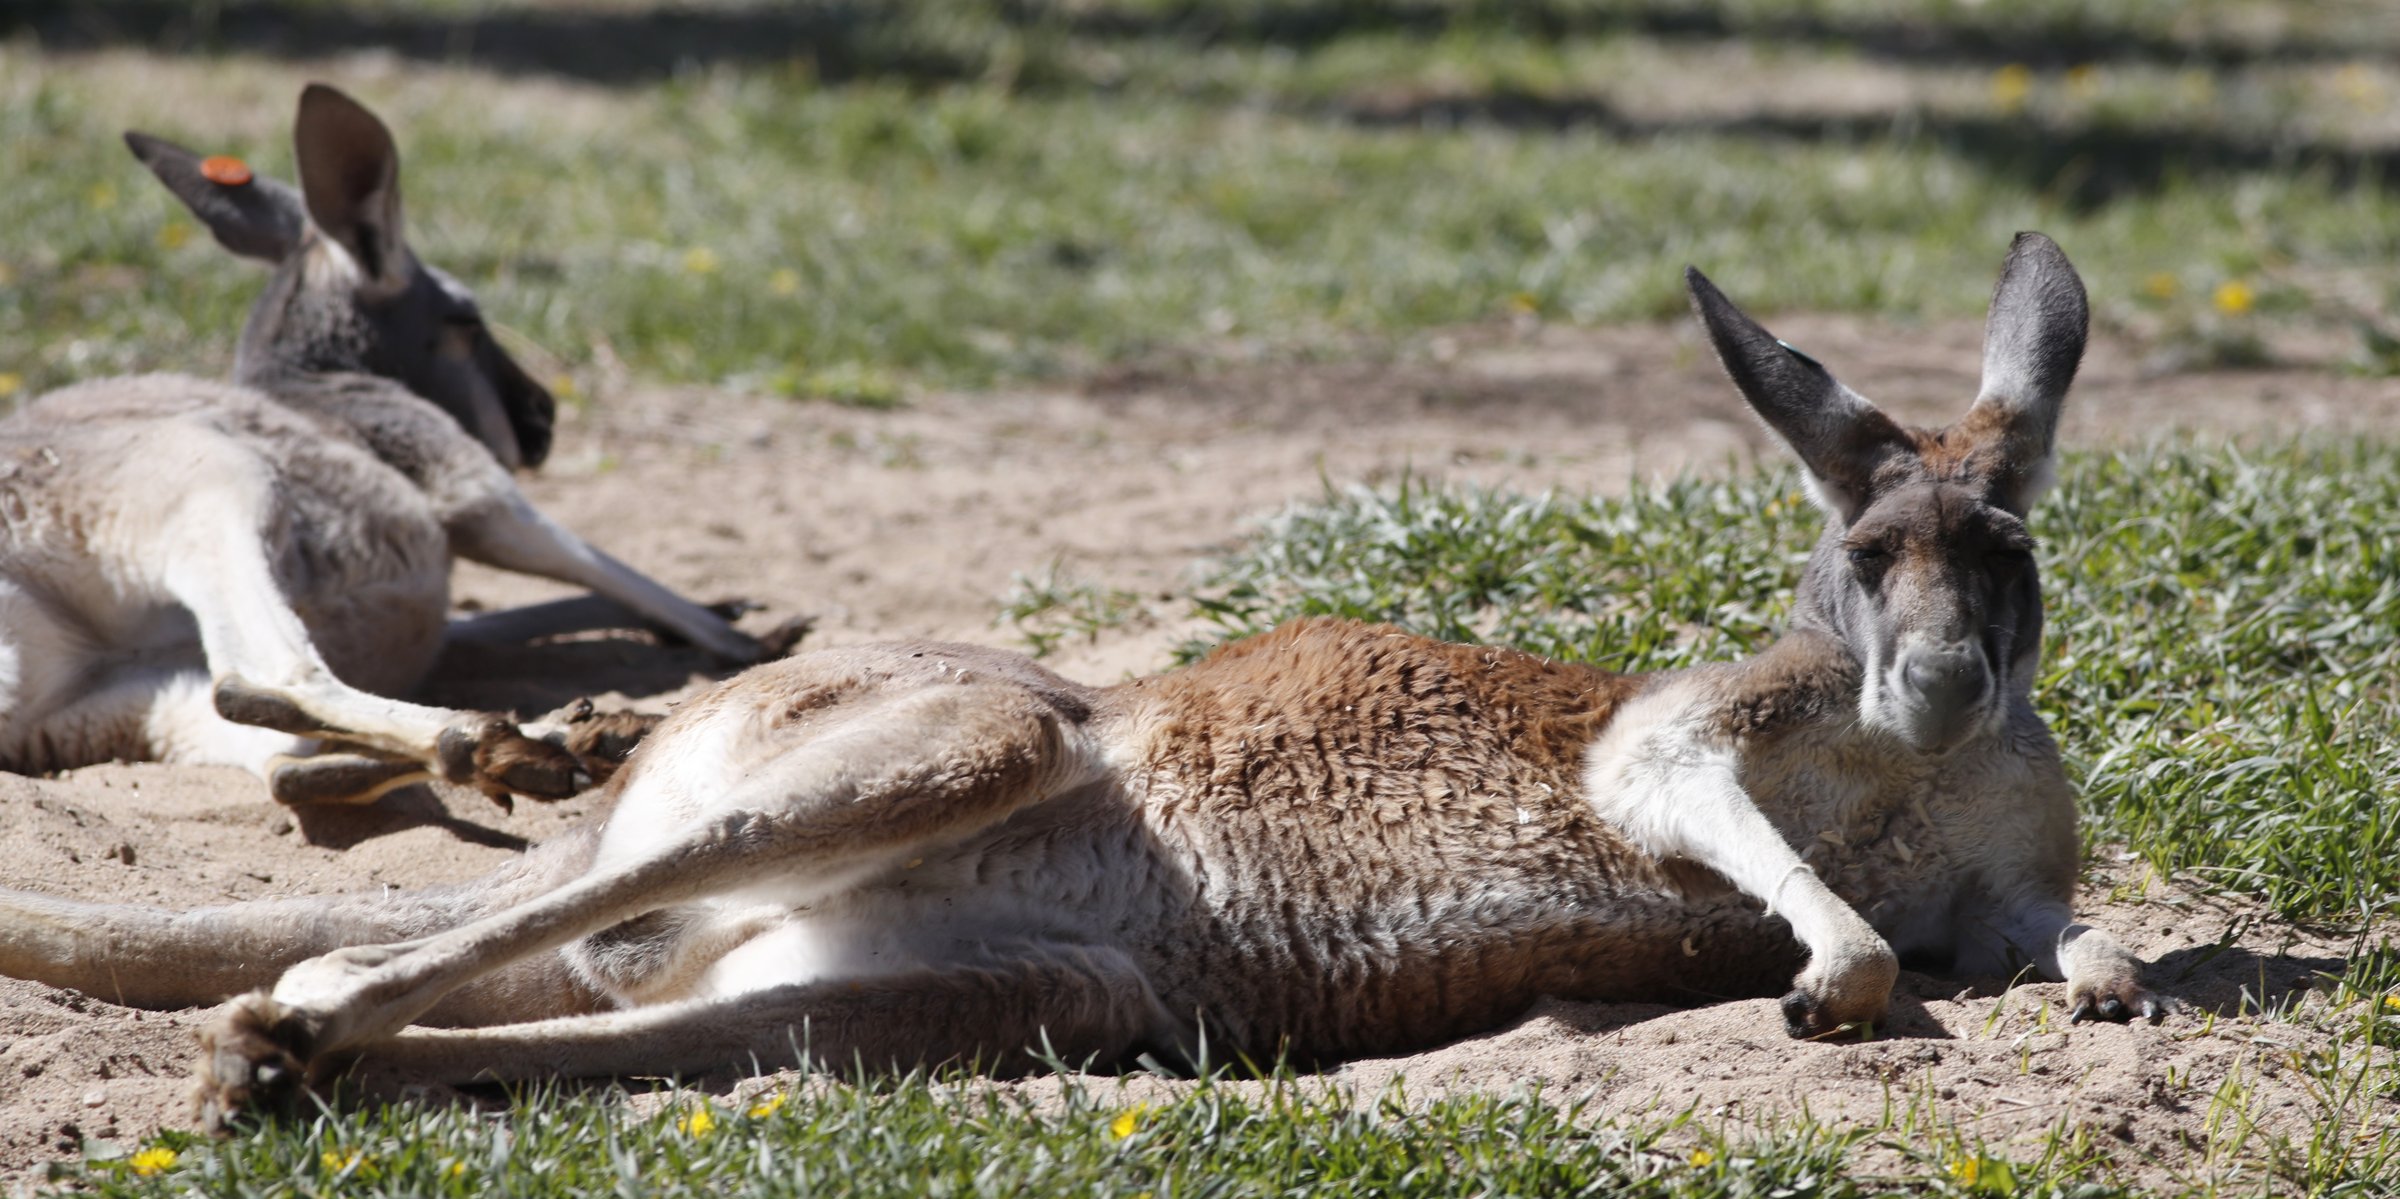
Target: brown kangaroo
x: 1334, y: 839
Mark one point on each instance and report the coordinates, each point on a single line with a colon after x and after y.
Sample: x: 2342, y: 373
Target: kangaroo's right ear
x: 1843, y: 440
x: 350, y: 176
x: 251, y: 215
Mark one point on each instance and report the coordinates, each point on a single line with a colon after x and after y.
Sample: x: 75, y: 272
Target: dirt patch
x: 912, y: 522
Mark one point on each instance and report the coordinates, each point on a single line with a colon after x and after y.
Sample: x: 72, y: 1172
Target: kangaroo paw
x: 253, y: 1058
x: 1848, y: 985
x: 490, y: 754
x: 602, y: 740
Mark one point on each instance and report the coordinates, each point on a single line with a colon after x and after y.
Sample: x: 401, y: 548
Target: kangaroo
x: 1330, y: 840
x: 238, y: 573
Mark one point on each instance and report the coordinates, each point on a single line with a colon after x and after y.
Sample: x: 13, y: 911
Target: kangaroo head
x: 1926, y: 570
x: 348, y: 295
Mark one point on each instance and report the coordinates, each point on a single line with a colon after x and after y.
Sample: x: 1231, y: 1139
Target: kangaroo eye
x: 1868, y: 555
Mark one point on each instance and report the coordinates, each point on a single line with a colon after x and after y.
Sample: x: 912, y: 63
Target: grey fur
x: 238, y: 572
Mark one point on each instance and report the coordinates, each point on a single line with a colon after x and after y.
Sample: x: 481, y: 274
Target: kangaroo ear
x: 251, y: 215
x: 2032, y: 344
x: 350, y: 175
x: 1843, y: 440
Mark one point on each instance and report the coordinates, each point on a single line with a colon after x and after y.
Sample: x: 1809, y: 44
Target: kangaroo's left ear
x: 251, y: 215
x: 2032, y: 344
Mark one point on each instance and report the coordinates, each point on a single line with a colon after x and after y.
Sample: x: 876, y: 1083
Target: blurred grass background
x: 853, y: 200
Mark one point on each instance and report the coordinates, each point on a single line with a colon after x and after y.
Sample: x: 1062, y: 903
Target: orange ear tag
x: 225, y: 170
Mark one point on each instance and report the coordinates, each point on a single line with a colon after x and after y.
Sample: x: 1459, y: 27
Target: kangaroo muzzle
x: 1945, y: 693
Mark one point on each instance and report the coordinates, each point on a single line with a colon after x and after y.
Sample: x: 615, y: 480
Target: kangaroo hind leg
x: 269, y: 675
x: 1069, y: 1003
x: 864, y: 788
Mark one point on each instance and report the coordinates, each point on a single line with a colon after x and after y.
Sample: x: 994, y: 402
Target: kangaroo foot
x: 253, y: 1059
x: 492, y: 755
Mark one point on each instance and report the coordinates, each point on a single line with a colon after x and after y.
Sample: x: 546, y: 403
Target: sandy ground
x: 912, y: 522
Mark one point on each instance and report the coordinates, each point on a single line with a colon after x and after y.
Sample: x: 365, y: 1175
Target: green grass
x: 986, y: 196
x: 919, y: 1137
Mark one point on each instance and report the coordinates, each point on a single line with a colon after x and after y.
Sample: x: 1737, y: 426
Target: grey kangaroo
x: 240, y: 573
x: 1329, y: 840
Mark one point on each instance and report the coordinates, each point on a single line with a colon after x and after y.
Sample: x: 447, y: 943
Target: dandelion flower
x: 1967, y: 1170
x: 1127, y: 1121
x: 337, y: 1160
x: 2392, y: 1002
x: 770, y: 1105
x: 2358, y: 85
x: 1702, y: 1157
x: 700, y: 260
x: 154, y: 1161
x: 2011, y: 84
x: 698, y: 1122
x: 101, y: 197
x: 2235, y: 297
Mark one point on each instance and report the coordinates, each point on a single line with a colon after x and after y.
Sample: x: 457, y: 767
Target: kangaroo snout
x: 1945, y: 687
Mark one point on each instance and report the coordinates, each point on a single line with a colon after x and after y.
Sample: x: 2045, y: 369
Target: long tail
x: 155, y: 958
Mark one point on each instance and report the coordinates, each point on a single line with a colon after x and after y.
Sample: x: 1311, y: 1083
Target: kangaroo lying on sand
x: 1333, y: 839
x: 194, y: 571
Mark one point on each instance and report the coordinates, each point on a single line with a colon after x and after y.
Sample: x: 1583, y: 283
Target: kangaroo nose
x: 1949, y: 678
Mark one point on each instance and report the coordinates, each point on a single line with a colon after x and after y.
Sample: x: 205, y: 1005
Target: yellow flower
x: 2358, y: 85
x: 2083, y: 80
x: 785, y: 281
x: 1967, y: 1170
x: 9, y: 383
x: 457, y: 1170
x: 102, y: 196
x: 770, y: 1105
x: 562, y: 385
x: 700, y: 260
x: 2392, y: 1002
x: 337, y: 1160
x: 1524, y: 304
x: 1127, y: 1121
x: 2161, y: 285
x: 1701, y: 1157
x: 173, y: 234
x: 699, y: 1122
x: 151, y: 1162
x: 2011, y: 84
x: 2234, y: 297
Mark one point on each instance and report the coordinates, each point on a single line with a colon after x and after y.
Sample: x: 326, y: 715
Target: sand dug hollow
x: 912, y: 522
